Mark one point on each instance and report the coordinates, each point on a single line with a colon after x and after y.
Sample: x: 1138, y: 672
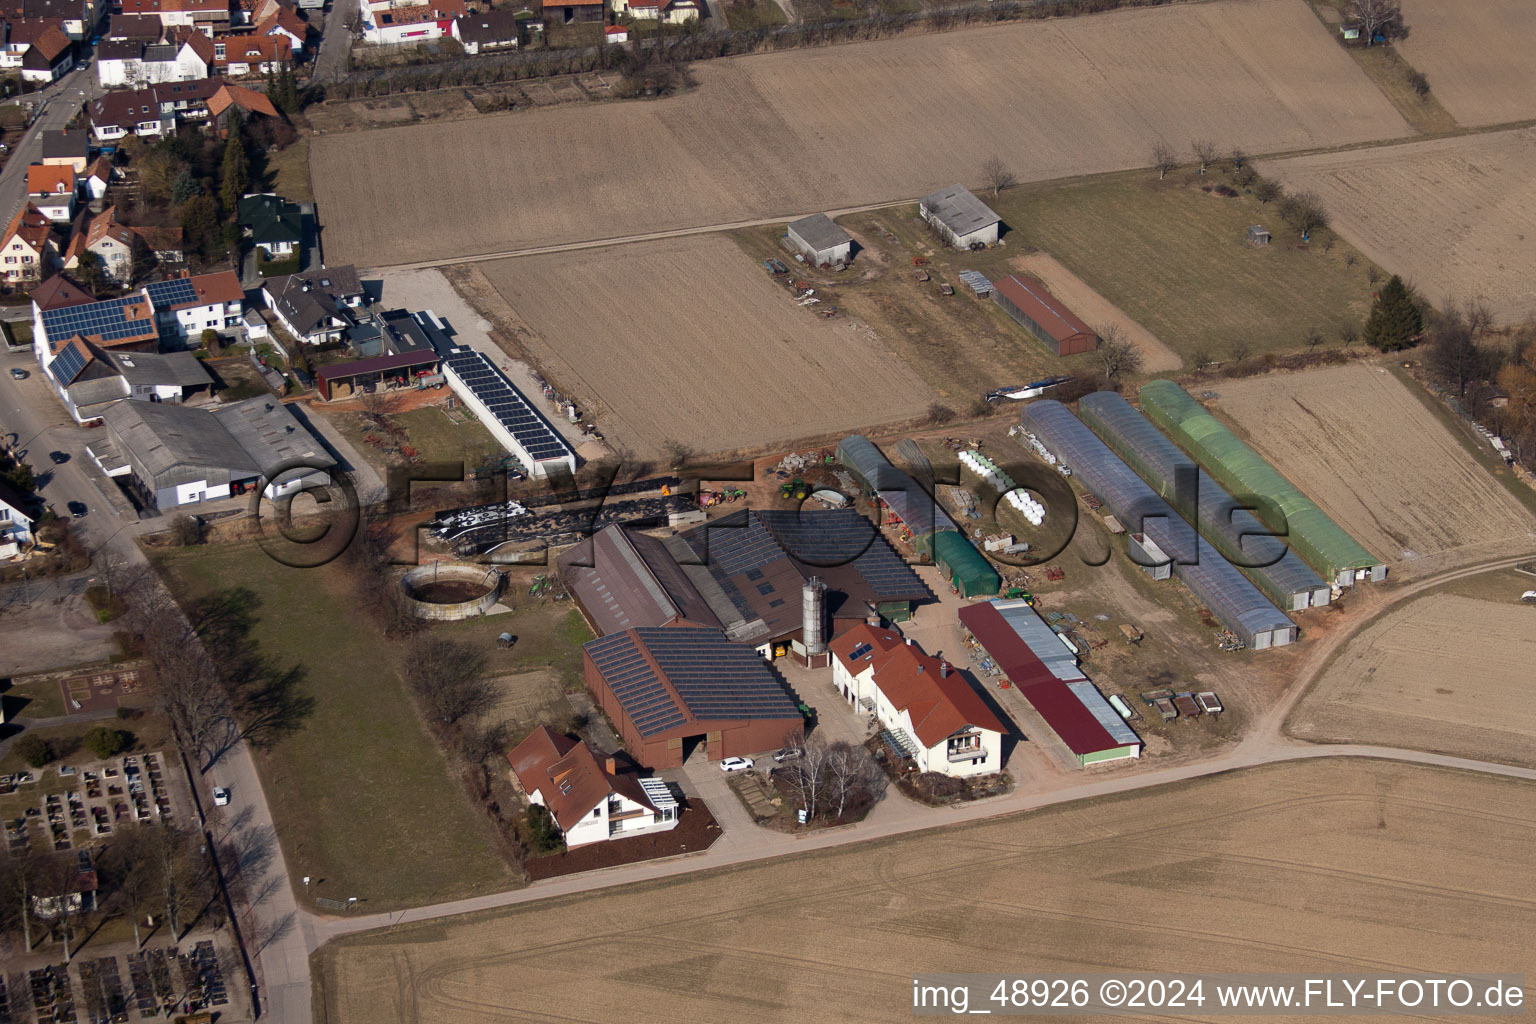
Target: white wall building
x: 15, y: 523
x: 961, y: 218
x: 591, y: 802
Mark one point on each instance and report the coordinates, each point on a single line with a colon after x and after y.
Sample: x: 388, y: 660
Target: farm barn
x: 933, y: 532
x: 1319, y: 540
x: 820, y: 240
x: 1029, y: 302
x: 378, y: 371
x: 676, y: 690
x: 1277, y: 569
x: 1215, y: 582
x: 1036, y: 661
x: 960, y: 217
x: 512, y: 420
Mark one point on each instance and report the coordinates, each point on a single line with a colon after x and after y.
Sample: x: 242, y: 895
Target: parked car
x: 220, y: 796
x: 736, y: 764
x: 59, y: 458
x: 17, y: 373
x: 78, y: 509
x: 787, y: 754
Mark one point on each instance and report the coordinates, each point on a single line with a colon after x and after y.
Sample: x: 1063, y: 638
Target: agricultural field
x: 1098, y: 312
x: 1447, y: 672
x: 1316, y: 867
x: 689, y: 340
x: 1369, y: 451
x: 775, y: 135
x: 1476, y: 55
x: 1456, y: 217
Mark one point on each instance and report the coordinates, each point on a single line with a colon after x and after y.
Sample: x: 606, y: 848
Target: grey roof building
x: 66, y: 145
x: 820, y: 239
x: 88, y: 377
x: 316, y: 305
x: 171, y: 455
x: 960, y: 217
x: 272, y: 222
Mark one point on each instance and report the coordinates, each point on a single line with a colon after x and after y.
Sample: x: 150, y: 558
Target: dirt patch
x: 1316, y: 866
x: 1097, y: 311
x: 793, y: 132
x: 689, y: 340
x: 1445, y: 673
x: 1476, y: 55
x: 52, y: 634
x: 1365, y: 448
x: 1456, y: 217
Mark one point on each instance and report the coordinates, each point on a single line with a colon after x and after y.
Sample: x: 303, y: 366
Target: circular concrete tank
x: 451, y: 590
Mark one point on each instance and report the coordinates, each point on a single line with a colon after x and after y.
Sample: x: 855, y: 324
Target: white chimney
x: 943, y: 670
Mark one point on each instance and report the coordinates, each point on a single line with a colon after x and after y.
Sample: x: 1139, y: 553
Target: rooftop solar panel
x: 176, y: 292
x: 103, y: 319
x: 67, y: 365
x: 508, y: 406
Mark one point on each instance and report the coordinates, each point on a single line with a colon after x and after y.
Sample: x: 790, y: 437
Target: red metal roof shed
x: 1020, y: 664
x: 1069, y: 718
x: 1043, y: 315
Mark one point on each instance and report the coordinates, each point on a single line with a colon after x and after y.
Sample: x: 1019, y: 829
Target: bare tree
x: 808, y: 775
x: 1205, y: 153
x: 1477, y: 314
x: 1314, y: 339
x: 1164, y: 159
x: 129, y: 867
x: 676, y: 454
x: 1199, y: 356
x: 1374, y: 18
x: 997, y: 175
x: 852, y: 777
x: 1241, y: 350
x: 1117, y: 354
x: 378, y: 404
x: 449, y: 678
x: 1418, y: 82
x: 19, y: 875
x: 1454, y: 359
x: 1304, y: 211
x: 1349, y: 334
x: 1266, y: 190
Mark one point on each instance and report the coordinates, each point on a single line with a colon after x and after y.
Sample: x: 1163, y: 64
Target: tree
x: 128, y: 865
x: 1395, y: 320
x: 1454, y: 360
x: 854, y: 780
x: 807, y: 774
x: 1199, y: 356
x: 235, y: 174
x: 1266, y: 190
x: 1479, y: 317
x: 184, y: 187
x: 34, y: 750
x: 1304, y: 212
x: 1418, y: 82
x: 91, y: 271
x: 1374, y: 18
x: 1349, y: 334
x: 449, y: 678
x: 20, y: 875
x: 1239, y: 159
x: 200, y: 221
x: 1241, y: 350
x: 187, y: 531
x: 540, y: 833
x: 1117, y: 354
x: 1205, y: 153
x: 1164, y: 159
x: 160, y: 171
x: 1314, y: 339
x: 676, y: 454
x: 997, y: 175
x: 105, y: 741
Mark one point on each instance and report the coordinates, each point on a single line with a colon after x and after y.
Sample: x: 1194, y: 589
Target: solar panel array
x: 491, y: 387
x: 718, y: 679
x: 737, y: 543
x: 67, y: 365
x: 840, y: 536
x: 633, y: 682
x: 178, y: 291
x: 103, y: 319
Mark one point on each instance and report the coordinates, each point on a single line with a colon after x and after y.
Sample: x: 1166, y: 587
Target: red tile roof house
x: 52, y: 188
x: 400, y: 21
x: 592, y: 802
x: 207, y: 16
x: 931, y: 711
x: 249, y: 55
x: 27, y: 248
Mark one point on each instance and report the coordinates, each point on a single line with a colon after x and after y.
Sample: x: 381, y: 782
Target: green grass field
x: 1176, y: 260
x: 362, y: 796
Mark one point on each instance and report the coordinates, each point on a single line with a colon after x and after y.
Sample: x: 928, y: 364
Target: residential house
x: 126, y: 323
x: 167, y: 245
x: 168, y: 455
x: 316, y: 306
x: 274, y: 225
x: 231, y: 98
x: 88, y: 378
x: 77, y: 18
x: 207, y: 16
x: 50, y: 56
x: 52, y: 189
x: 404, y: 21
x: 247, y: 55
x: 131, y: 64
x: 28, y: 245
x: 590, y: 801
x: 113, y: 242
x: 153, y: 111
x: 284, y: 21
x: 925, y: 708
x: 144, y: 28
x: 59, y: 292
x: 66, y: 148
x: 671, y: 12
x: 487, y: 31
x: 15, y: 521
x: 567, y: 12
x: 187, y: 306
x: 98, y: 177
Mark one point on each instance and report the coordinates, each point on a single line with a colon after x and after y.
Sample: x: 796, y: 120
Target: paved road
x: 331, y: 60
x: 63, y: 100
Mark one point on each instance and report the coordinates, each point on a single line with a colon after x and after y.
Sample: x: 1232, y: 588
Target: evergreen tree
x: 92, y: 272
x: 289, y: 89
x: 184, y: 187
x: 235, y: 175
x: 200, y: 221
x: 1395, y: 320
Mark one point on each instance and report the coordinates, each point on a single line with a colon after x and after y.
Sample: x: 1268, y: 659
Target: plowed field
x: 1477, y: 56
x: 798, y: 131
x: 1456, y: 217
x: 1361, y: 445
x: 1352, y: 866
x: 689, y: 340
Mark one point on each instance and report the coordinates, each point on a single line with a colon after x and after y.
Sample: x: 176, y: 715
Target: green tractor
x: 795, y: 489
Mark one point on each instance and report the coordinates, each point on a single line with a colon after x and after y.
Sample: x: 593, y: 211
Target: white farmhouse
x: 928, y: 709
x: 591, y: 802
x: 15, y: 522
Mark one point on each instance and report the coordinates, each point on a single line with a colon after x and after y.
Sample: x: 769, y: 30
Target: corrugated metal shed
x: 958, y: 209
x: 1089, y: 696
x: 1320, y: 540
x: 1269, y: 561
x: 967, y: 568
x: 1214, y: 581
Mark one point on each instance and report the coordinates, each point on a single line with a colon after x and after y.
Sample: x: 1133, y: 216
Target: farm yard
x: 774, y: 134
x: 1339, y: 434
x: 1476, y: 55
x: 1096, y: 311
x: 1447, y: 672
x: 689, y: 340
x: 1318, y: 867
x: 1456, y: 217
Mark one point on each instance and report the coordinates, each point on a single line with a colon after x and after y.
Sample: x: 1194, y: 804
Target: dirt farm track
x: 788, y: 133
x: 1366, y: 449
x: 1454, y: 216
x: 1341, y: 866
